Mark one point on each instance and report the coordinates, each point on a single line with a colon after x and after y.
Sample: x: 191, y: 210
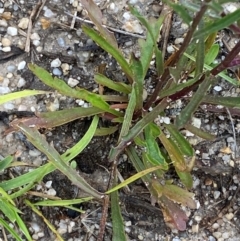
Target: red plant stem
x: 226, y: 62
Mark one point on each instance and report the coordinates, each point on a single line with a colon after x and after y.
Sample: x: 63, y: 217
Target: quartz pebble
x: 217, y: 234
x: 72, y: 82
x: 21, y: 83
x: 12, y: 31
x: 11, y: 68
x: 6, y: 42
x: 216, y: 194
x: 229, y: 216
x: 56, y: 63
x: 9, y: 106
x: 217, y: 88
x: 21, y: 65
x: 3, y: 23
x: 23, y: 23
x: 48, y: 184
x: 57, y: 71
x: 4, y: 90
x: 35, y: 36
x: 6, y: 49
x: 51, y: 192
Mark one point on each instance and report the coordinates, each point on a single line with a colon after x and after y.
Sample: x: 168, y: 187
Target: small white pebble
x: 35, y: 36
x: 35, y: 227
x: 72, y: 82
x: 6, y: 49
x: 166, y: 120
x: 22, y: 108
x: 215, y: 226
x: 128, y: 223
x: 48, y: 184
x: 9, y: 106
x: 23, y: 23
x: 217, y: 88
x: 49, y: 13
x: 57, y: 71
x: 4, y: 90
x: 3, y: 23
x: 51, y: 192
x: 217, y: 234
x: 21, y: 82
x: 34, y: 153
x: 216, y: 194
x: 229, y: 216
x: 170, y: 49
x: 21, y: 65
x: 12, y: 31
x: 56, y: 63
x: 9, y: 75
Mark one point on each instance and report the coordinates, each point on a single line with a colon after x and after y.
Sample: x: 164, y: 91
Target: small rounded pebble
x: 4, y: 90
x: 56, y: 63
x: 23, y: 24
x: 229, y: 216
x: 215, y: 226
x: 211, y: 238
x: 6, y: 42
x: 9, y: 75
x: 9, y: 106
x: 195, y: 228
x: 170, y: 49
x: 36, y: 42
x: 11, y: 68
x: 216, y: 194
x: 61, y: 42
x: 21, y: 65
x: 48, y: 184
x: 6, y: 49
x: 21, y: 83
x: 65, y: 68
x: 51, y: 192
x: 35, y: 227
x: 129, y: 223
x: 35, y: 36
x: 57, y: 71
x: 217, y: 234
x: 34, y: 153
x: 225, y: 235
x: 49, y: 13
x: 3, y: 23
x: 217, y: 88
x: 72, y: 82
x: 12, y: 31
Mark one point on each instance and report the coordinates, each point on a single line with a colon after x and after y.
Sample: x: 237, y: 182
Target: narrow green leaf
x: 23, y: 227
x: 211, y: 54
x: 137, y: 70
x: 174, y: 153
x: 196, y: 100
x: 39, y: 142
x: 118, y: 86
x: 219, y: 24
x: 106, y: 131
x: 228, y: 101
x: 63, y: 88
x: 36, y: 174
x: 117, y: 220
x: 133, y: 178
x: 6, y: 162
x: 109, y: 49
x: 128, y: 115
x: 62, y: 202
x: 16, y: 95
x: 199, y: 132
x: 151, y: 132
x: 200, y: 52
x: 183, y: 144
x: 10, y: 230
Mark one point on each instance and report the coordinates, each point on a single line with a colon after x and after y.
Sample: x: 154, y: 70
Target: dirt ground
x: 216, y: 175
